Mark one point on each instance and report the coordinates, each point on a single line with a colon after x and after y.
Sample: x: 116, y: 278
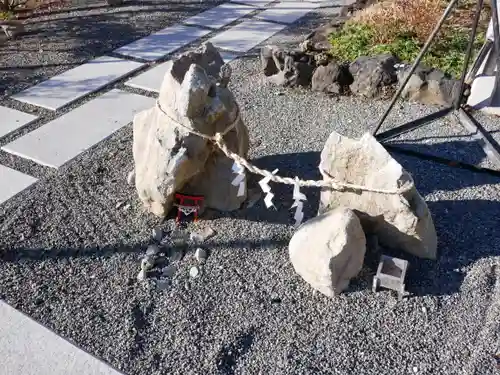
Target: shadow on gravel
x: 50, y: 47
x: 41, y: 254
x: 228, y: 356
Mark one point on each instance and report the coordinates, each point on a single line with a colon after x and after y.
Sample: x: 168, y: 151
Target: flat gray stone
x: 12, y: 119
x: 163, y: 42
x: 288, y: 11
x: 246, y: 35
x: 28, y: 348
x: 220, y: 16
x: 78, y: 82
x: 64, y: 138
x: 13, y: 182
x: 151, y: 79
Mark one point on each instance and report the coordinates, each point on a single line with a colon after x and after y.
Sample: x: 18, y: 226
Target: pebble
x: 120, y: 204
x: 169, y: 271
x: 126, y: 207
x: 152, y: 250
x: 157, y: 234
x: 141, y: 276
x: 194, y: 272
x: 162, y: 284
x: 131, y: 178
x: 415, y: 369
x: 176, y: 255
x: 200, y: 237
x: 200, y: 255
x: 147, y: 263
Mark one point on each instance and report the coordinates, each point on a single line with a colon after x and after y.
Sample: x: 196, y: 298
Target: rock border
x: 311, y: 66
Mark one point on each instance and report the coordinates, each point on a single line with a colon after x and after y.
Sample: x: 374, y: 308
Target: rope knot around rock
x: 327, y: 182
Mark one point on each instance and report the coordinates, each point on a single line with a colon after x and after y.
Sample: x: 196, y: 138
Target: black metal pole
x: 424, y: 49
x: 458, y: 96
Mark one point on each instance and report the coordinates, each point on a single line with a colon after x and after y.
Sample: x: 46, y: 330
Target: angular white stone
x: 481, y: 95
x: 12, y: 119
x: 246, y: 35
x: 288, y: 11
x: 11, y: 183
x: 254, y: 3
x: 220, y: 16
x: 66, y: 137
x: 163, y: 42
x: 151, y: 79
x: 28, y: 348
x: 78, y: 82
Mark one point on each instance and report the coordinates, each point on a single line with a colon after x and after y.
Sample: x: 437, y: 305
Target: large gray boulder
x: 168, y: 156
x: 328, y: 250
x: 403, y: 220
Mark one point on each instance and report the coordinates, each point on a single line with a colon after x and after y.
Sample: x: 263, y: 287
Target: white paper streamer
x: 298, y: 197
x: 264, y: 185
x: 239, y: 180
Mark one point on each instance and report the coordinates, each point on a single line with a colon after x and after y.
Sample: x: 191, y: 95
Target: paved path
x: 27, y: 347
x: 61, y: 140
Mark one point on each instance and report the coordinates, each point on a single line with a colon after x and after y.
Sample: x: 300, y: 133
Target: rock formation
x: 168, y: 156
x: 328, y: 250
x: 404, y: 220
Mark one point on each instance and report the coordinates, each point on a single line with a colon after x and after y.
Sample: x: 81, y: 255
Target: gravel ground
x: 67, y: 38
x: 71, y: 257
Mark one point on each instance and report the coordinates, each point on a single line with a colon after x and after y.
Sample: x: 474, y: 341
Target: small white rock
x: 157, y: 234
x: 147, y: 263
x: 152, y: 250
x: 141, y: 276
x: 200, y: 237
x: 120, y: 204
x: 415, y: 369
x: 131, y: 178
x: 126, y: 207
x: 200, y: 255
x: 194, y: 272
x: 424, y: 309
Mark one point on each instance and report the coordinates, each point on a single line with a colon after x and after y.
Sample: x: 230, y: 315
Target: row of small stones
x: 176, y: 238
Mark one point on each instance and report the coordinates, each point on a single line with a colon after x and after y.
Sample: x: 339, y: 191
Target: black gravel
x: 70, y: 259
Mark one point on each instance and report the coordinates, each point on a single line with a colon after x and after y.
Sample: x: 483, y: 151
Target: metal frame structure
x: 489, y: 145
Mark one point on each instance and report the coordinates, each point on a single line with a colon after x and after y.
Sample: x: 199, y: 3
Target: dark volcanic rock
x: 332, y: 78
x: 373, y: 74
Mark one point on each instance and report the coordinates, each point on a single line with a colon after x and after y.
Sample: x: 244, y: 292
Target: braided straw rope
x: 328, y: 182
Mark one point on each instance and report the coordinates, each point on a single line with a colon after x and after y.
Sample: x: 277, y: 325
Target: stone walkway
x: 64, y: 138
x: 25, y: 346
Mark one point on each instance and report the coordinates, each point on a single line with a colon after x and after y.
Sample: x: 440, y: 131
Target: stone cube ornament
x: 391, y: 274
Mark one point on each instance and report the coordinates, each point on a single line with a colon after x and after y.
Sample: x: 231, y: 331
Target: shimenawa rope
x: 328, y: 182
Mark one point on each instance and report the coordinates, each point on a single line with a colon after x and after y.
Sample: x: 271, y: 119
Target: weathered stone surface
x: 428, y: 86
x: 114, y: 2
x: 372, y: 75
x: 331, y: 79
x: 287, y: 68
x: 404, y: 221
x: 168, y: 157
x: 328, y: 250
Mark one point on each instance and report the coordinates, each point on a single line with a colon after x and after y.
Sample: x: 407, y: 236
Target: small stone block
x: 391, y: 274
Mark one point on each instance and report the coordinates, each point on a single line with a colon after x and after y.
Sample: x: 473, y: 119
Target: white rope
x: 327, y: 182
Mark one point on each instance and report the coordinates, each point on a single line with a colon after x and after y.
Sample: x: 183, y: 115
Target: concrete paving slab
x: 288, y: 11
x: 163, y: 42
x: 78, y: 82
x: 12, y: 119
x: 254, y: 3
x: 220, y: 16
x: 246, y: 35
x: 28, y: 348
x: 64, y: 138
x: 12, y: 182
x: 151, y: 79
